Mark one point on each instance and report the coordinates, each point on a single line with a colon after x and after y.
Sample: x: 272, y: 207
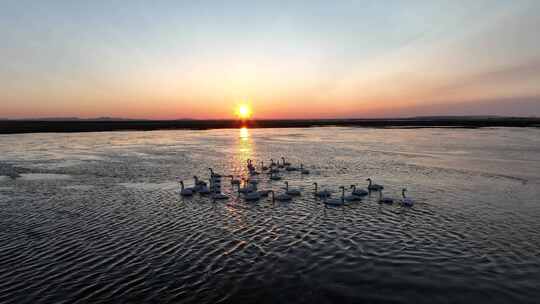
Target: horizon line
x: 107, y: 118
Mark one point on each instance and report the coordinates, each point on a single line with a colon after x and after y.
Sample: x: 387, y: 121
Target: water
x: 96, y: 217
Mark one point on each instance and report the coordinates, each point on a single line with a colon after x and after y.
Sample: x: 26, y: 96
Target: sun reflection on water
x: 244, y: 133
x: 245, y: 149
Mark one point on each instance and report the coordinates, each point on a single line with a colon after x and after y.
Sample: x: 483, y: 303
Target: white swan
x: 291, y: 168
x: 264, y: 193
x: 374, y: 187
x: 336, y: 201
x: 302, y: 170
x: 219, y: 196
x: 250, y: 165
x: 252, y: 196
x: 234, y: 181
x: 385, y: 199
x: 214, y: 175
x: 274, y: 177
x: 284, y: 162
x: 350, y: 197
x: 274, y: 170
x: 203, y: 190
x: 253, y: 181
x: 215, y: 189
x: 246, y: 188
x: 215, y: 180
x: 283, y: 197
x: 358, y: 192
x: 293, y: 192
x: 322, y: 193
x: 185, y: 191
x: 406, y: 201
x: 198, y: 182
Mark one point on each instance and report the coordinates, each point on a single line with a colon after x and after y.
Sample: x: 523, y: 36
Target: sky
x: 286, y: 59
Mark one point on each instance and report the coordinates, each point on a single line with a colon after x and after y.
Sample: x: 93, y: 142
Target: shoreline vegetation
x: 102, y: 125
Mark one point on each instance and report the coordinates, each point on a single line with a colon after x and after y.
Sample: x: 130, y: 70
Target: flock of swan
x: 247, y: 187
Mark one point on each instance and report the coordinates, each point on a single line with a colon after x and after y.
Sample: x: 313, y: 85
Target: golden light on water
x: 245, y: 148
x: 244, y: 133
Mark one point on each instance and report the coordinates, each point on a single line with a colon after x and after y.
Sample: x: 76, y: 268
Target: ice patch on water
x: 43, y: 176
x: 3, y: 178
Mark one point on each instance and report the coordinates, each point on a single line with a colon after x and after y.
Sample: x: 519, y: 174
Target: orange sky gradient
x: 200, y: 61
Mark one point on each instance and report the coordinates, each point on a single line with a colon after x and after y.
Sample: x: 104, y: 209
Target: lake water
x: 96, y: 218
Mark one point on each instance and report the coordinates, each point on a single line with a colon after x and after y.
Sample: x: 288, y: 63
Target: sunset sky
x: 289, y: 59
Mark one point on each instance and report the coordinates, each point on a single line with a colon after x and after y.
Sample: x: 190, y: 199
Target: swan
x: 234, y: 181
x: 212, y: 174
x: 214, y: 186
x: 250, y: 165
x: 291, y: 168
x: 322, y: 193
x: 358, y: 192
x: 280, y: 165
x: 219, y: 196
x: 336, y: 201
x: 263, y: 167
x: 406, y: 201
x: 199, y: 183
x: 274, y: 177
x: 264, y: 193
x: 274, y: 170
x: 385, y: 199
x: 252, y: 196
x: 215, y: 189
x: 293, y: 192
x: 302, y: 170
x: 374, y: 187
x: 253, y: 181
x: 350, y: 197
x: 180, y: 180
x: 246, y: 189
x: 284, y: 162
x: 283, y: 197
x: 215, y: 182
x: 203, y: 190
x: 185, y: 191
x: 201, y: 186
x: 251, y: 187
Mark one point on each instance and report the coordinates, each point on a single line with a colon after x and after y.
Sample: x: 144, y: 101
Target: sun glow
x: 244, y: 111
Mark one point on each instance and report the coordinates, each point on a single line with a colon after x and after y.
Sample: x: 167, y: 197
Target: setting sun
x: 244, y: 111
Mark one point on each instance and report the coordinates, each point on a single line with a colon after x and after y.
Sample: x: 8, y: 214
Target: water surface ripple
x: 96, y: 218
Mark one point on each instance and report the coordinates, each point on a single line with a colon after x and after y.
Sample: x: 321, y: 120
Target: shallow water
x: 96, y: 217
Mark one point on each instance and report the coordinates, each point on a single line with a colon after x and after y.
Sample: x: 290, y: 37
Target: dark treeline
x: 33, y: 126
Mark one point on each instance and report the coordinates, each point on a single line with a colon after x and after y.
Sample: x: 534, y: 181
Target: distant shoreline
x: 69, y: 126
